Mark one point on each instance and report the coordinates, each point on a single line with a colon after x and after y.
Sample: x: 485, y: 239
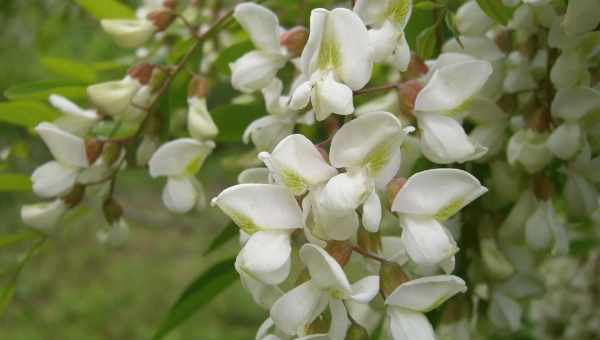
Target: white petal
x: 113, y: 97
x: 299, y: 164
x: 75, y: 120
x: 365, y: 289
x: 129, y: 33
x: 266, y: 256
x: 179, y: 195
x: 574, y: 103
x: 346, y: 191
x: 296, y: 308
x: 383, y: 41
x: 565, y: 140
x: 66, y: 148
x: 267, y: 131
x: 371, y: 217
x: 582, y: 16
x: 425, y: 240
x: 324, y: 270
x: 254, y: 175
x: 256, y: 207
x: 264, y: 329
x: 199, y: 121
x: 339, y: 320
x: 426, y: 293
x: 437, y: 192
x: 182, y: 156
x: 336, y: 225
x: 581, y: 196
x: 452, y: 85
x: 301, y: 96
x: 408, y: 325
x: 43, y: 216
x: 568, y: 70
x: 400, y: 59
x: 255, y: 70
x: 505, y: 313
x: 479, y: 47
x: 529, y: 148
x: 310, y: 54
x: 371, y: 140
x: 261, y: 24
x: 329, y: 96
x: 53, y: 179
x: 471, y: 20
x: 393, y: 249
x: 274, y: 102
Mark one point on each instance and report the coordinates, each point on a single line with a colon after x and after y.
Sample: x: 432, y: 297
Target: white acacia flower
x: 571, y: 67
x: 116, y: 235
x: 471, y: 20
x: 581, y: 16
x: 448, y: 93
x: 129, y: 33
x: 180, y: 160
x: 407, y: 304
x: 519, y: 76
x: 199, y: 121
x: 75, y: 119
x: 490, y: 126
x: 336, y: 62
x: 427, y: 198
x: 43, y: 216
x: 530, y: 149
x: 544, y: 230
x: 571, y: 105
x: 257, y: 68
x: 328, y: 286
x: 115, y: 97
x: 479, y: 47
x: 57, y: 177
x: 269, y: 214
x: 581, y: 195
x: 388, y: 19
x: 504, y: 312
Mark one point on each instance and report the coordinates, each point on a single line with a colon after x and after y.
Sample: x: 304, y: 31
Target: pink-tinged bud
x: 394, y: 187
x: 161, y: 19
x: 112, y: 210
x: 93, y: 149
x: 391, y: 276
x: 371, y: 242
x: 409, y: 91
x: 294, y: 40
x: 340, y: 251
x: 198, y: 87
x: 141, y: 72
x: 172, y: 4
x: 75, y: 196
x: 416, y: 67
x: 504, y: 40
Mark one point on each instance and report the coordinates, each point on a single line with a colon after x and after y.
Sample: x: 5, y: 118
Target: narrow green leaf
x: 496, y: 11
x: 119, y: 130
x: 8, y: 240
x: 41, y: 90
x: 70, y: 69
x: 230, y: 55
x: 26, y: 113
x: 451, y: 24
x: 179, y: 49
x: 426, y: 43
x: 199, y: 293
x: 229, y: 232
x: 106, y: 9
x: 14, y: 182
x: 232, y: 120
x: 7, y: 294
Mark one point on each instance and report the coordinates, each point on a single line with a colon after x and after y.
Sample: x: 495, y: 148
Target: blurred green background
x: 76, y: 288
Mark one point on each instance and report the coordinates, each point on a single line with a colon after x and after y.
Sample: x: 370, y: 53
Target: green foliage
x: 26, y: 113
x: 229, y: 232
x: 231, y: 54
x: 200, y: 292
x: 106, y: 9
x: 496, y: 10
x: 41, y: 90
x: 70, y: 69
x: 233, y: 119
x: 14, y: 182
x: 426, y: 41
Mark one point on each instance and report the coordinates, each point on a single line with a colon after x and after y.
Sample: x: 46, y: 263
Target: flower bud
x: 113, y: 97
x: 368, y: 241
x: 161, y: 19
x: 75, y: 196
x: 141, y: 72
x: 471, y: 20
x: 294, y: 40
x: 341, y: 251
x: 129, y: 33
x: 147, y: 147
x: 117, y: 235
x: 391, y: 276
x: 528, y: 148
x: 581, y: 197
x: 200, y: 123
x: 409, y: 91
x: 43, y: 216
x: 198, y: 87
x: 496, y: 265
x: 93, y: 149
x: 416, y: 67
x: 112, y: 210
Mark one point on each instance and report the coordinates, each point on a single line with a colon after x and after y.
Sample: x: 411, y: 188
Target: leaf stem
x: 365, y: 253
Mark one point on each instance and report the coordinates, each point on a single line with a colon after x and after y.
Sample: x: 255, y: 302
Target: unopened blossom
x: 421, y: 206
x: 200, y: 123
x: 43, y: 216
x: 387, y: 20
x: 471, y: 20
x: 116, y: 235
x: 544, y: 231
x: 180, y: 160
x: 581, y: 16
x: 335, y: 61
x: 581, y: 195
x: 57, y: 177
x: 75, y: 120
x: 256, y: 69
x: 529, y: 148
x: 328, y: 286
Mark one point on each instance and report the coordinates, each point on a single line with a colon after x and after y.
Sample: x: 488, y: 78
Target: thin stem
x: 367, y: 254
x: 368, y: 90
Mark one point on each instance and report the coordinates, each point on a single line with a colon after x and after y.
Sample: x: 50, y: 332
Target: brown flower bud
x: 416, y: 67
x: 112, y: 210
x: 340, y: 251
x: 161, y: 18
x: 504, y: 40
x: 391, y: 276
x: 294, y: 40
x: 93, y: 149
x: 542, y: 187
x: 394, y: 187
x: 198, y: 87
x: 371, y: 242
x: 540, y: 121
x: 141, y: 72
x: 75, y: 196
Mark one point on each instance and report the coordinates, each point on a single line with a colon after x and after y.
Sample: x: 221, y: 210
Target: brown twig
x: 368, y: 90
x: 367, y: 254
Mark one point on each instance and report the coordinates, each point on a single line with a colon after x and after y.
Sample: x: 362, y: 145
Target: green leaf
x: 451, y: 24
x: 231, y: 54
x: 26, y: 113
x: 426, y: 41
x: 426, y: 5
x: 496, y: 10
x: 199, y: 293
x: 106, y: 9
x: 70, y: 69
x: 8, y: 240
x: 232, y: 120
x: 229, y: 232
x: 118, y: 130
x: 14, y: 182
x: 7, y: 294
x: 41, y: 90
x: 179, y: 49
